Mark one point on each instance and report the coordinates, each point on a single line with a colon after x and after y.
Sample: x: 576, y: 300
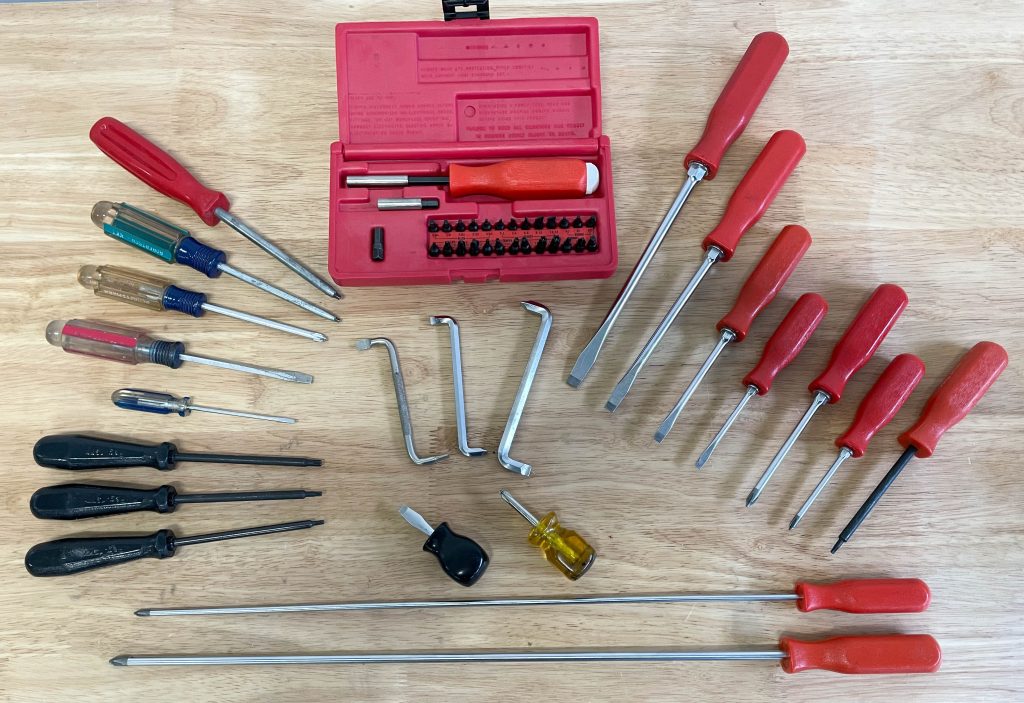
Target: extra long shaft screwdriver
x: 161, y: 172
x: 949, y: 404
x: 728, y: 118
x: 760, y: 288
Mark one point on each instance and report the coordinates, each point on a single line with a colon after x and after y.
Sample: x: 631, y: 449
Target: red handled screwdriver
x: 728, y: 118
x: 879, y: 407
x: 760, y: 288
x: 949, y: 404
x: 752, y: 196
x: 857, y: 345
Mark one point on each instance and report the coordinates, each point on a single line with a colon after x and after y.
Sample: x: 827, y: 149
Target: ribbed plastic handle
x: 520, y: 179
x: 73, y: 501
x: 63, y: 557
x: 756, y: 191
x: 156, y: 168
x: 865, y: 596
x: 863, y: 654
x: 787, y: 341
x: 883, y: 400
x: 83, y: 452
x: 861, y: 339
x: 767, y: 279
x: 739, y: 99
x: 148, y: 401
x: 974, y: 374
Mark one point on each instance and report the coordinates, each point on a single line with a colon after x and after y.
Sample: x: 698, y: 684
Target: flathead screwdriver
x: 956, y: 396
x: 728, y: 118
x: 879, y: 406
x: 782, y: 348
x: 161, y: 172
x: 166, y: 404
x: 854, y: 349
x: 760, y: 288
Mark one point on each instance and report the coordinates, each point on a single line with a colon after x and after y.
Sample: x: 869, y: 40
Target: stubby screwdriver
x: 167, y: 404
x: 564, y: 548
x: 159, y: 238
x: 129, y: 345
x: 155, y: 293
x: 462, y: 560
x: 883, y: 400
x: 728, y: 118
x: 949, y: 404
x: 748, y: 202
x: 782, y: 348
x: 161, y: 172
x: 854, y: 349
x: 760, y: 288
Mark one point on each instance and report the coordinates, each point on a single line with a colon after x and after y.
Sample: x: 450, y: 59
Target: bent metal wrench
x: 519, y: 404
x: 460, y: 392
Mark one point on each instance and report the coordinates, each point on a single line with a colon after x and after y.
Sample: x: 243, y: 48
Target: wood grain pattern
x: 914, y: 119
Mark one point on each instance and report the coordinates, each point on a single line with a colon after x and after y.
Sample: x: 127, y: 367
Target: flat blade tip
x: 610, y: 406
x: 574, y: 381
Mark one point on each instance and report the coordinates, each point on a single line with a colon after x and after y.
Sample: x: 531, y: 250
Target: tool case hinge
x: 451, y: 10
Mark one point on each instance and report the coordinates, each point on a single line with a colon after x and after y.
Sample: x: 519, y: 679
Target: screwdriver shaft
x: 242, y: 413
x: 844, y: 454
x: 281, y: 374
x: 265, y: 322
x: 247, y: 532
x: 706, y: 454
x: 519, y: 508
x: 278, y: 292
x: 243, y: 496
x: 669, y: 422
x: 876, y: 495
x: 256, y: 459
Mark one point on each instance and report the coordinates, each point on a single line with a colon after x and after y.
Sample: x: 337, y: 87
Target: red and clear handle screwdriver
x: 760, y: 288
x: 885, y: 398
x: 161, y: 172
x: 857, y: 345
x: 751, y: 198
x: 949, y: 404
x: 782, y: 348
x: 728, y: 118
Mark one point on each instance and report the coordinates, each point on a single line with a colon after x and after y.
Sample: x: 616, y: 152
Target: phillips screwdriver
x: 167, y: 242
x: 84, y: 452
x: 130, y: 345
x: 462, y: 559
x: 167, y: 404
x: 883, y: 400
x: 748, y: 202
x: 856, y: 347
x: 956, y: 396
x: 563, y: 548
x: 760, y: 288
x: 728, y: 118
x: 782, y: 348
x: 161, y: 172
x: 155, y: 293
x: 63, y: 557
x: 73, y: 501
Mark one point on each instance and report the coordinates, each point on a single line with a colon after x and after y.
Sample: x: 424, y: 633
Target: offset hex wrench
x: 519, y: 404
x: 460, y: 393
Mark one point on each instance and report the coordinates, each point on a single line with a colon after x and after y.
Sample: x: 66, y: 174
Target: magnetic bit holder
x: 519, y: 404
x: 460, y: 393
x: 403, y: 400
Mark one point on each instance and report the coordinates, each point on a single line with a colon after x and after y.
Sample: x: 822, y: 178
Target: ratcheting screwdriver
x: 782, y: 348
x: 728, y: 118
x: 879, y: 406
x: 161, y: 172
x: 760, y: 288
x: 856, y: 347
x: 159, y: 238
x: 513, y: 179
x: 752, y: 196
x: 167, y: 404
x: 129, y: 345
x: 462, y: 560
x: 155, y: 293
x: 564, y: 548
x: 956, y: 396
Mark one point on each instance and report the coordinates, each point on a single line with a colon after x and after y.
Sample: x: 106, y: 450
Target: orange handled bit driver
x: 949, y: 404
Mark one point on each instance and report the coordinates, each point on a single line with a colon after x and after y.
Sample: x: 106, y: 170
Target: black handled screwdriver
x: 84, y: 452
x: 62, y: 557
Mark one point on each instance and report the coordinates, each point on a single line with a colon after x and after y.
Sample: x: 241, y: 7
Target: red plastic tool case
x: 413, y: 96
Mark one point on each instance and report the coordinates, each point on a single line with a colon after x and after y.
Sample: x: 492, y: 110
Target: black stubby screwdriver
x: 462, y: 559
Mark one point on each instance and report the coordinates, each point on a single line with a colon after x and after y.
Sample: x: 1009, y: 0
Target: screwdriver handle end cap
x: 865, y: 596
x: 787, y: 341
x: 863, y: 654
x: 883, y: 400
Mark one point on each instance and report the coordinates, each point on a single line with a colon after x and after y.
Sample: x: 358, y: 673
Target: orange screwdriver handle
x: 861, y: 339
x: 156, y: 168
x: 882, y: 402
x: 766, y: 280
x: 974, y: 374
x: 756, y: 191
x: 787, y: 341
x: 863, y: 654
x: 739, y: 99
x: 865, y: 596
x: 520, y: 179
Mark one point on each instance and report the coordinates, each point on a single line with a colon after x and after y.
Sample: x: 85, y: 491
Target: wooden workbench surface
x: 913, y: 115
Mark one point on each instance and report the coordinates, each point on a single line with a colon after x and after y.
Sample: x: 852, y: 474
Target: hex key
x: 460, y: 392
x: 519, y: 404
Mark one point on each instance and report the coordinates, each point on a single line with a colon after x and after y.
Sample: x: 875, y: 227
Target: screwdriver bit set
x: 538, y: 235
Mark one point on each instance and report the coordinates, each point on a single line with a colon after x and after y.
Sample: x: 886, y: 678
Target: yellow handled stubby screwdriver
x: 563, y: 548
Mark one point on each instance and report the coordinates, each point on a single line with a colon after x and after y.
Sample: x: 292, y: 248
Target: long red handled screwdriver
x: 161, y: 172
x: 785, y: 344
x: 857, y: 345
x: 760, y: 288
x: 949, y: 404
x: 883, y: 400
x: 727, y: 120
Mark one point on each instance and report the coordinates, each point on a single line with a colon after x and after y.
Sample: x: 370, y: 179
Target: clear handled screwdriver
x: 167, y: 404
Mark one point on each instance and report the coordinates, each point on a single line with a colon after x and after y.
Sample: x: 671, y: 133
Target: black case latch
x: 452, y: 11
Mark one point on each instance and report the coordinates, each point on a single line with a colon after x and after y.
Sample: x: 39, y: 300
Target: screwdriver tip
x: 143, y: 613
x: 611, y: 405
x: 839, y: 543
x: 574, y: 381
x: 752, y: 498
x: 313, y: 494
x: 312, y: 462
x: 119, y: 661
x: 659, y: 436
x: 314, y: 523
x: 795, y: 521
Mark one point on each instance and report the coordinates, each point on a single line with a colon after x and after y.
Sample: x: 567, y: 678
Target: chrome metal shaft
x: 669, y: 422
x: 706, y: 454
x: 278, y: 292
x: 265, y: 322
x: 281, y: 374
x: 844, y: 454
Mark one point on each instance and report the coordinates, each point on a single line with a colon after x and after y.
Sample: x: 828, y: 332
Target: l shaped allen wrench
x: 460, y: 392
x: 519, y: 404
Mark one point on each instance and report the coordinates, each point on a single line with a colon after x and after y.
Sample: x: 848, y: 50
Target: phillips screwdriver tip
x: 119, y: 661
x: 142, y: 613
x: 752, y: 498
x: 795, y: 521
